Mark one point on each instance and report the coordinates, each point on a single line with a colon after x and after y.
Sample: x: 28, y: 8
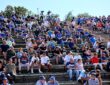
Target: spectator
x: 70, y: 68
x: 41, y: 81
x: 10, y: 67
x: 10, y: 43
x: 2, y: 68
x: 93, y: 80
x: 45, y: 62
x: 95, y: 60
x: 19, y: 53
x: 28, y: 43
x: 104, y: 61
x: 108, y: 66
x: 76, y: 57
x: 11, y: 71
x: 58, y: 55
x: 10, y: 53
x: 68, y: 57
x: 24, y: 62
x: 4, y: 47
x: 79, y: 68
x: 83, y: 78
x: 35, y: 63
x: 35, y: 46
x: 53, y: 81
x: 3, y: 79
x: 98, y: 75
x: 108, y: 45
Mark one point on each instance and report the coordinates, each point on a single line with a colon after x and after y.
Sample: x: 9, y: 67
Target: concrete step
x: 20, y: 46
x: 60, y: 76
x: 17, y: 42
x: 105, y: 82
x: 62, y: 68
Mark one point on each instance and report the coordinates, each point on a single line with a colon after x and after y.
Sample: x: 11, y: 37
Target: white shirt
x: 10, y: 43
x: 76, y: 57
x: 108, y: 44
x: 80, y: 66
x: 28, y: 44
x: 33, y: 59
x: 67, y: 58
x: 44, y: 60
x: 52, y: 35
x: 46, y: 23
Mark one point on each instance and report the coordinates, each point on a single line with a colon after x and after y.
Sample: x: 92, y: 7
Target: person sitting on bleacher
x: 10, y: 71
x: 41, y: 81
x: 3, y: 79
x: 45, y: 62
x: 2, y: 67
x: 94, y: 60
x: 68, y: 56
x: 76, y: 57
x: 70, y: 68
x: 58, y: 55
x: 87, y: 55
x: 10, y: 42
x: 24, y: 62
x: 108, y: 66
x: 98, y: 75
x: 53, y: 81
x: 28, y: 43
x: 108, y: 44
x: 79, y: 68
x: 4, y: 47
x: 11, y: 53
x: 93, y: 80
x: 35, y: 63
x: 104, y: 60
x: 19, y: 53
x: 10, y: 67
x: 83, y: 78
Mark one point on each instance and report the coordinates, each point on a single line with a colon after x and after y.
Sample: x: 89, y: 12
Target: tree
x: 8, y: 11
x: 69, y: 16
x: 84, y: 15
x: 55, y: 15
x: 21, y: 11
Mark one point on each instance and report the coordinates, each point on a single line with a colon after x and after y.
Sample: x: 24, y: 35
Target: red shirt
x: 94, y: 60
x: 99, y: 24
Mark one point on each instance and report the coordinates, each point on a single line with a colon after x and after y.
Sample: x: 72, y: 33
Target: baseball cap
x: 52, y: 78
x: 42, y: 78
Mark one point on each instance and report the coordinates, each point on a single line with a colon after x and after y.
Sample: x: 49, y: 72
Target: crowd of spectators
x: 50, y: 40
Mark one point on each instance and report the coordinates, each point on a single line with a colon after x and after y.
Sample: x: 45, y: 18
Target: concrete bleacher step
x: 105, y: 82
x: 24, y: 78
x: 17, y: 42
x: 20, y: 45
x: 61, y: 68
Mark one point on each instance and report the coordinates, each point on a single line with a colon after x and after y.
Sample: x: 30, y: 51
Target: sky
x: 62, y: 7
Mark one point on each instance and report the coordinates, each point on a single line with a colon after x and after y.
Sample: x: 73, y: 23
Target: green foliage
x: 21, y: 11
x: 84, y: 15
x: 8, y: 11
x: 55, y: 15
x: 69, y: 16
